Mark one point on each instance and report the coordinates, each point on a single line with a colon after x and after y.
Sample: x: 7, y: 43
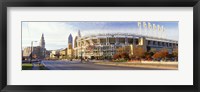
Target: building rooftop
x: 128, y: 35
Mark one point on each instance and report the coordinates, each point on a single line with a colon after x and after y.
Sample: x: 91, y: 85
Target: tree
x: 162, y: 54
x: 157, y: 55
x: 125, y: 55
x: 175, y: 53
x: 116, y: 56
x: 138, y: 52
x: 147, y: 55
x: 122, y: 53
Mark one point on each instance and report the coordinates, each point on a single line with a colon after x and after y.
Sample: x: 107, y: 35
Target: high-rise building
x: 70, y: 39
x: 70, y: 46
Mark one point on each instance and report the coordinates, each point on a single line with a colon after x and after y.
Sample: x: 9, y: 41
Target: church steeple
x: 42, y: 41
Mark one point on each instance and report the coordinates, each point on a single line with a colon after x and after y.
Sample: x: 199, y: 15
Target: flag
x: 158, y: 28
x: 149, y: 26
x: 154, y: 27
x: 162, y: 28
x: 144, y: 25
x: 139, y: 24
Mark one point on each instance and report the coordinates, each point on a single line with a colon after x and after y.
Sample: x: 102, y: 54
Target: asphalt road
x: 77, y: 65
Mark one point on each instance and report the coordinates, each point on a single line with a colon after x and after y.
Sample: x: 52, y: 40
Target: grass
x: 121, y: 60
x: 27, y: 66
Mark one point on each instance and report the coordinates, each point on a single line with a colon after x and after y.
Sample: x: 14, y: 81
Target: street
x: 77, y: 65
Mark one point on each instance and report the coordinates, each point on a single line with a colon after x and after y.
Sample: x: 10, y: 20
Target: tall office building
x: 70, y: 46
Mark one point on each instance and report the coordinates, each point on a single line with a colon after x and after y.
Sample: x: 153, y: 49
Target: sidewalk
x: 141, y: 65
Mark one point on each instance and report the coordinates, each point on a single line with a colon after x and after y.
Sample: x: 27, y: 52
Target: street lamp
x: 32, y: 50
x: 81, y: 52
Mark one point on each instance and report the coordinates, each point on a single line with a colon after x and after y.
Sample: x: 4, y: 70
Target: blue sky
x: 56, y: 33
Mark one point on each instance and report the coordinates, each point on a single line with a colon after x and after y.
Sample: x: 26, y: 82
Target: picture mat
x: 182, y: 76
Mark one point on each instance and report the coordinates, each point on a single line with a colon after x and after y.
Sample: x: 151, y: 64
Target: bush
x: 121, y: 56
x: 116, y: 56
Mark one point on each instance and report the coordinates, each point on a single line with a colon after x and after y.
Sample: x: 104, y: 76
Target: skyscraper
x: 70, y: 40
x: 70, y: 46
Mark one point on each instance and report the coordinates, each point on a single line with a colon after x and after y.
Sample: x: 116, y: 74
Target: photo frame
x: 89, y: 3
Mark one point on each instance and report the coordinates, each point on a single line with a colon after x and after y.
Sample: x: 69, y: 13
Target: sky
x: 56, y: 33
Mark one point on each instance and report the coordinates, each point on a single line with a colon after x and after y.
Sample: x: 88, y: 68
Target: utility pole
x: 32, y: 50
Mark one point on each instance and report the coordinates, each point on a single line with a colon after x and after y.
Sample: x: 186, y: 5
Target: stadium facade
x: 106, y: 45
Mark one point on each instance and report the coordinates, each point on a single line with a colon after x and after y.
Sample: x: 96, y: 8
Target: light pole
x: 32, y: 50
x: 81, y: 53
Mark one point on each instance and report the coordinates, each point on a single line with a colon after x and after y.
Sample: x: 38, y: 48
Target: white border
x: 183, y: 76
